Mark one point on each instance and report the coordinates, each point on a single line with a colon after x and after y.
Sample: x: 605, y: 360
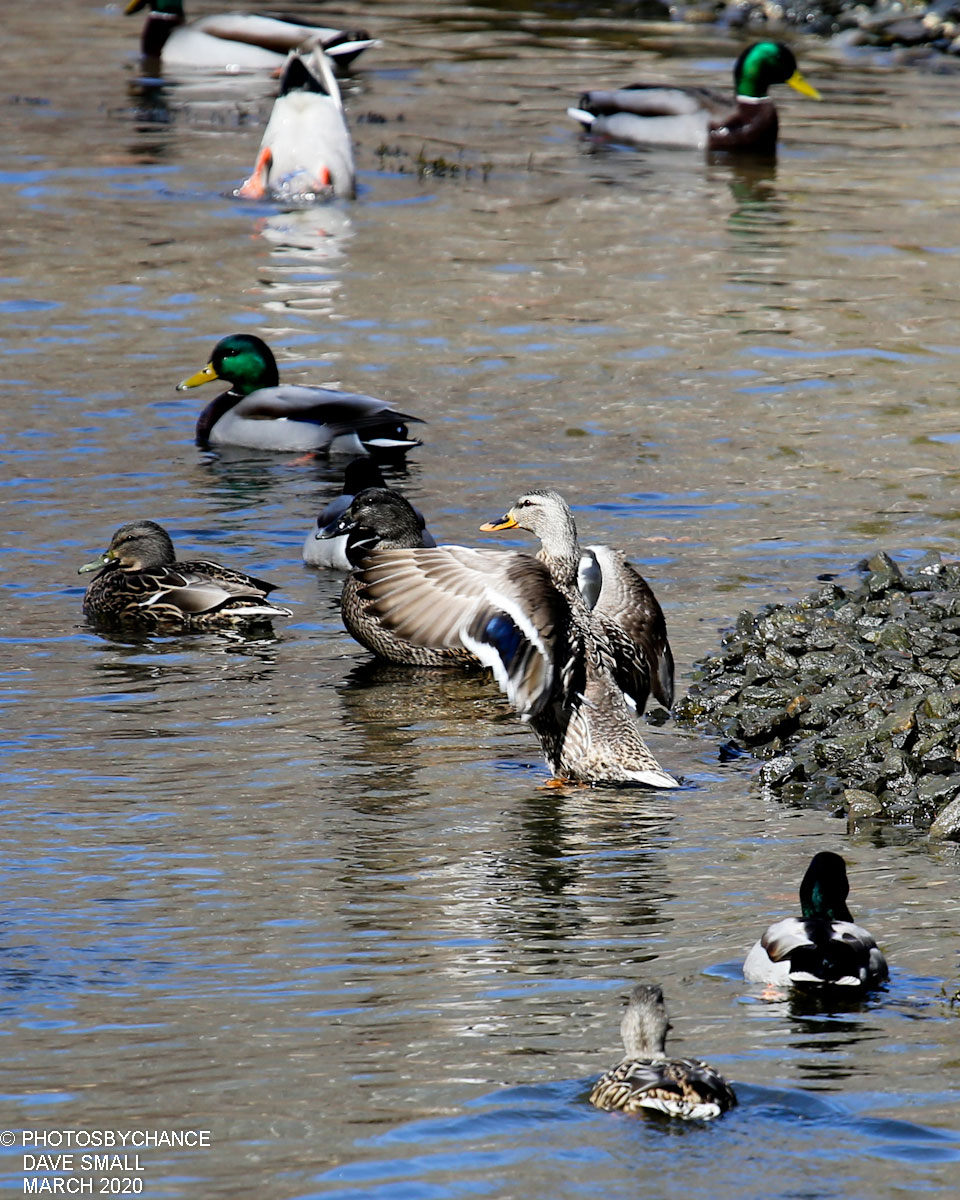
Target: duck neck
x: 644, y: 1034
x: 560, y: 551
x: 156, y: 29
x: 212, y: 414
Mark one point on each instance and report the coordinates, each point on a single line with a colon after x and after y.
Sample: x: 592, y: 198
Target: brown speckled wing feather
x: 191, y: 594
x: 636, y: 628
x: 678, y: 1087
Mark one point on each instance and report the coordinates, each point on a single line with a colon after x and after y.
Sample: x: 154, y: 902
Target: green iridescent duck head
x: 241, y: 359
x: 824, y: 889
x: 762, y: 65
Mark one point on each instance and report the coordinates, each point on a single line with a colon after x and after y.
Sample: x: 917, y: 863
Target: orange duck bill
x: 505, y: 522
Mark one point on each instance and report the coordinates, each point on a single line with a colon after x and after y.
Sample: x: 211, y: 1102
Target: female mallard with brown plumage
x: 647, y: 1080
x: 651, y: 114
x: 563, y: 665
x: 235, y: 41
x: 140, y: 582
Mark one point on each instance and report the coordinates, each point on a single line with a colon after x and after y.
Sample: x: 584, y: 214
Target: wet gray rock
x: 910, y: 28
x: 947, y: 825
x: 849, y: 696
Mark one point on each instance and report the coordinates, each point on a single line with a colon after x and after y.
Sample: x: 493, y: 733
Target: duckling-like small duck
x: 558, y: 661
x: 824, y: 948
x: 306, y: 152
x: 262, y: 414
x: 141, y: 583
x: 235, y: 41
x: 646, y: 1079
x: 650, y: 114
x: 329, y: 546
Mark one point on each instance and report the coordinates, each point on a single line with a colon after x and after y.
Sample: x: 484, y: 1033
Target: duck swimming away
x: 823, y: 948
x: 647, y: 1080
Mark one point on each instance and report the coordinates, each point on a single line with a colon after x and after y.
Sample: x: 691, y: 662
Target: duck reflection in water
x: 406, y: 721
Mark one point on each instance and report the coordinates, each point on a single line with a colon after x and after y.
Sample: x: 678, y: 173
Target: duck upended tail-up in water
x: 141, y: 584
x: 646, y: 1080
x: 823, y: 948
x: 262, y: 414
x: 698, y: 118
x: 523, y: 617
x: 305, y: 153
x: 235, y: 41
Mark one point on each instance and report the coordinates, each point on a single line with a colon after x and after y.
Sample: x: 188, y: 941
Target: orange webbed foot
x: 255, y: 187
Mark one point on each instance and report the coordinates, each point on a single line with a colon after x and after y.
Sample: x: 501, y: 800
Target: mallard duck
x: 646, y: 1079
x: 141, y: 583
x: 646, y: 114
x: 823, y: 948
x: 622, y: 599
x: 305, y: 153
x: 328, y: 545
x: 262, y: 414
x: 235, y: 41
x: 526, y: 619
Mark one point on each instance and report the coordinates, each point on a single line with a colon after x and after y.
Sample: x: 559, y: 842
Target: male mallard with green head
x: 262, y: 414
x: 650, y: 114
x: 823, y: 948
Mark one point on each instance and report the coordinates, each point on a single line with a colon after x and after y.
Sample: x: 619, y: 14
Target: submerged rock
x: 850, y: 696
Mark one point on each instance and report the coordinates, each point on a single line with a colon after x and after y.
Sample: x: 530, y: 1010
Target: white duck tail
x: 305, y: 153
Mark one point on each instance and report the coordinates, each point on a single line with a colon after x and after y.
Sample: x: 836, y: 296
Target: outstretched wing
x: 501, y: 606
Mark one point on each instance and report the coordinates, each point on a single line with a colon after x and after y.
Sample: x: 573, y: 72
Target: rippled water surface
x: 326, y: 910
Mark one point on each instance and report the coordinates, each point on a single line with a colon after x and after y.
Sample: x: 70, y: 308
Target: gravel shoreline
x: 851, y: 697
x: 929, y: 27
